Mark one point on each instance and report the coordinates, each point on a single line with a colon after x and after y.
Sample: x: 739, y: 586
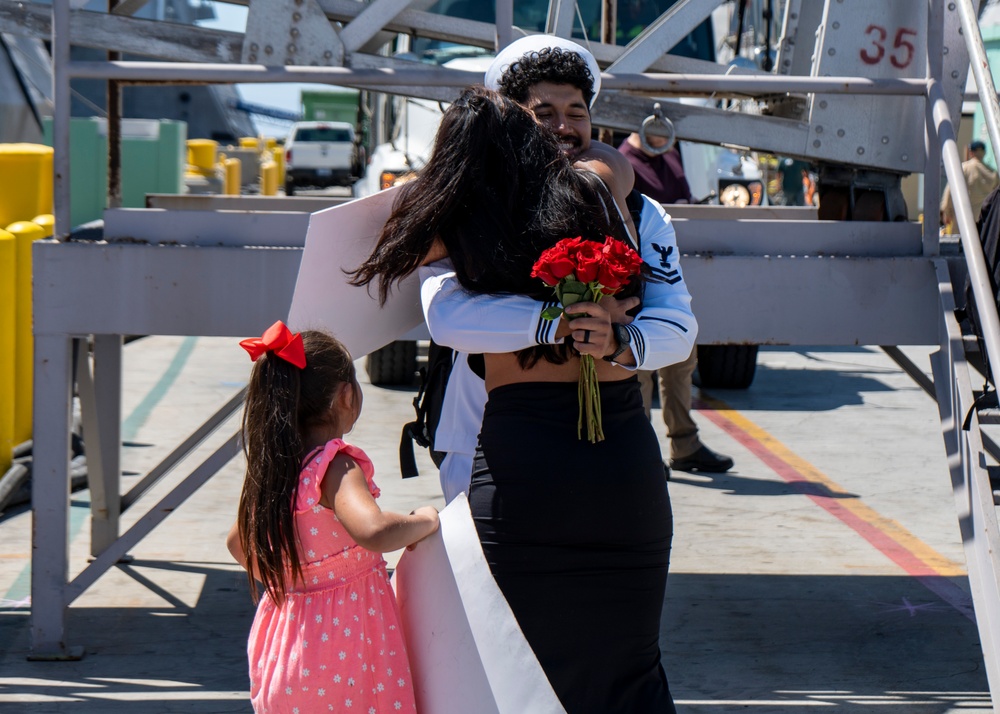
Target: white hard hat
x: 510, y: 54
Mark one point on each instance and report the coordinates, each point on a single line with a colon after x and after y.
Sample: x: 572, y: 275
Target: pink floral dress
x: 335, y: 643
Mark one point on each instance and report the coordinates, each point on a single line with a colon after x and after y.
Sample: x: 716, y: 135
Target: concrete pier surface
x: 825, y: 572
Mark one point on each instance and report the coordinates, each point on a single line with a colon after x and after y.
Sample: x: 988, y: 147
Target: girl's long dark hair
x: 282, y: 402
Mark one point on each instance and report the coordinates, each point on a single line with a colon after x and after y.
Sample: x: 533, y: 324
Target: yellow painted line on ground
x: 913, y: 555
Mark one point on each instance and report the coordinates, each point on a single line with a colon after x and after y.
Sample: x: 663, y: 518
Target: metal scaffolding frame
x: 901, y: 262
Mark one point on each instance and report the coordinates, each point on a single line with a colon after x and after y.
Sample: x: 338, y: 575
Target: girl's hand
x: 430, y: 515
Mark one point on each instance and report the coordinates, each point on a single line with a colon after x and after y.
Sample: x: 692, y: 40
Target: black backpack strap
x: 407, y: 461
x: 634, y: 203
x: 413, y: 431
x: 427, y: 405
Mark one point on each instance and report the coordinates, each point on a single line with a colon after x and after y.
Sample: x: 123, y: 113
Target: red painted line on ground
x: 829, y: 500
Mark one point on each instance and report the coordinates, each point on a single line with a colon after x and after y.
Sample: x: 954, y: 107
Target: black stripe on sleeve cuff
x: 545, y: 328
x: 638, y: 344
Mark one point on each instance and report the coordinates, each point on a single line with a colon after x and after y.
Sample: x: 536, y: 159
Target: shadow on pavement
x: 784, y: 644
x: 736, y: 485
x: 174, y: 658
x: 766, y: 644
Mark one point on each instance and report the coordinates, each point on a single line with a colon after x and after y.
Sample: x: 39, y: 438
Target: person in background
x: 793, y: 181
x: 980, y: 179
x: 661, y: 178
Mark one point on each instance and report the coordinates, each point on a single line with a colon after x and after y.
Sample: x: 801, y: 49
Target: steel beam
x: 273, y: 229
x: 505, y: 23
x: 932, y: 143
x: 663, y: 35
x: 370, y: 22
x: 183, y: 449
x: 137, y: 36
x: 813, y: 300
x: 560, y: 19
x: 50, y: 498
x: 128, y: 7
x: 61, y: 117
x: 100, y: 394
x: 280, y: 33
x: 156, y: 515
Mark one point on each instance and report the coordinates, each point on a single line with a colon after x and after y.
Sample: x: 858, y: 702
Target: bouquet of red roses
x: 583, y: 270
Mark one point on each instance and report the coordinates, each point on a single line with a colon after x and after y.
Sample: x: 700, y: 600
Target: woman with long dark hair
x: 576, y: 534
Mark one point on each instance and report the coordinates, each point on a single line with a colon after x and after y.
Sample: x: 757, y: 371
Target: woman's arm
x: 478, y: 324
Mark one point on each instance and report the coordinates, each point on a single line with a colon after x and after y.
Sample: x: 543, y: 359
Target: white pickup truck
x: 320, y: 154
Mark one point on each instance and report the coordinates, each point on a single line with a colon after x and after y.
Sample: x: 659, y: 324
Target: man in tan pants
x: 687, y: 453
x: 661, y: 177
x: 980, y: 179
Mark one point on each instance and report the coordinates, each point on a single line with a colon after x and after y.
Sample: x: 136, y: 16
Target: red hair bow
x: 280, y: 340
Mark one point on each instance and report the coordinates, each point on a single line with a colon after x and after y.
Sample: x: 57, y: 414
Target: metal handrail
x: 982, y: 289
x: 979, y: 273
x: 981, y: 70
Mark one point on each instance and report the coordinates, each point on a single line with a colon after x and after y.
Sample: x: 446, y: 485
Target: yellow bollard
x: 8, y: 279
x: 25, y: 233
x: 278, y: 153
x: 232, y: 172
x: 201, y: 154
x: 25, y: 181
x: 268, y: 179
x: 48, y: 222
x: 248, y: 142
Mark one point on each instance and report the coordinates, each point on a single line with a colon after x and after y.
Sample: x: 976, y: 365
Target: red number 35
x: 903, y: 50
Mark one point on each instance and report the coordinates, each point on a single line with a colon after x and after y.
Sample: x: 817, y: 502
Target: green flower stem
x: 570, y: 291
x: 589, y: 395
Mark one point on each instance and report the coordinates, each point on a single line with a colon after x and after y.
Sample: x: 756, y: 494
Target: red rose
x: 612, y: 278
x: 589, y: 259
x: 621, y: 262
x: 542, y: 271
x: 562, y: 266
x: 553, y: 265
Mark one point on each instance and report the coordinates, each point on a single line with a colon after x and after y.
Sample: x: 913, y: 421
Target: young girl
x: 326, y: 635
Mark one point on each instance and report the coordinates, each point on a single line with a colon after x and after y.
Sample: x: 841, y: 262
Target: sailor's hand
x: 590, y: 328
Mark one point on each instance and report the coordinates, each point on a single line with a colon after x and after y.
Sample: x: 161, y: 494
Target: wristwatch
x: 624, y: 339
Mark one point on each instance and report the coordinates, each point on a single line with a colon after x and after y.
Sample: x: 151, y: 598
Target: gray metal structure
x: 869, y: 85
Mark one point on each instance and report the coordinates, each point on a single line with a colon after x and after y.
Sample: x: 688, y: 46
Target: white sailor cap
x: 510, y: 54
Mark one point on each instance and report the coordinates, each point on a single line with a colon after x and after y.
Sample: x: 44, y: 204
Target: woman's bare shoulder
x: 610, y: 165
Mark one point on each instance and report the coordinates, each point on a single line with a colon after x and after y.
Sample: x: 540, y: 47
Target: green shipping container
x: 321, y: 105
x: 154, y: 154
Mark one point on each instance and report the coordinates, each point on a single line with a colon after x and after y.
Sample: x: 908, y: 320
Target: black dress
x: 577, y: 536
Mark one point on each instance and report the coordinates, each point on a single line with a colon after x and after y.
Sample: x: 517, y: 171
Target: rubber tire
x: 289, y: 188
x: 726, y: 366
x: 396, y: 363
